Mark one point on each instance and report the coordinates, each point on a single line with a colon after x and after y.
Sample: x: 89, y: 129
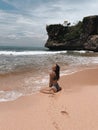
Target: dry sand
x: 73, y: 108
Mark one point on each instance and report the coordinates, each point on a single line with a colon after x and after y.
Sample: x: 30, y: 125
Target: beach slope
x: 73, y: 108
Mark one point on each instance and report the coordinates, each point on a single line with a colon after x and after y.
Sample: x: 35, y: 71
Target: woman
x: 53, y: 81
x: 54, y: 77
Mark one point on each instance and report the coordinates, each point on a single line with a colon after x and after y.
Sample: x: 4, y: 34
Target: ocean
x: 25, y: 70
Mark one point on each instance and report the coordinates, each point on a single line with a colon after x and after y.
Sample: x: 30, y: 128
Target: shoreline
x: 13, y: 82
x: 73, y: 108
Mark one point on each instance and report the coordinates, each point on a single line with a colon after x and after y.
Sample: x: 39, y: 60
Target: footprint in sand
x: 56, y: 126
x: 65, y: 112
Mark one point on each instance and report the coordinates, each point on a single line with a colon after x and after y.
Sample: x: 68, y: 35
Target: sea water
x: 38, y: 61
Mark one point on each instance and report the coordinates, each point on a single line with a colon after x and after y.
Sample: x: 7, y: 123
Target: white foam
x: 81, y: 52
x: 33, y: 84
x: 9, y: 95
x: 30, y: 52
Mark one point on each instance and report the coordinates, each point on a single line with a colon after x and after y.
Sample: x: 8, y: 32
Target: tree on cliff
x: 66, y: 23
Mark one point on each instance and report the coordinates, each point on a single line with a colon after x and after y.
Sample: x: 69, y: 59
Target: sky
x: 23, y: 22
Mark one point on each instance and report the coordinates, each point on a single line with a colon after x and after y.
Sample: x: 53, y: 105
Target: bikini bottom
x: 56, y: 87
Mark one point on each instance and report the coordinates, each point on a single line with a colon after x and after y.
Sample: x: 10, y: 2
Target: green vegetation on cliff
x: 74, y: 32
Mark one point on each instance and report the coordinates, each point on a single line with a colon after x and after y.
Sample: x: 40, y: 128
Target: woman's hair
x: 57, y: 71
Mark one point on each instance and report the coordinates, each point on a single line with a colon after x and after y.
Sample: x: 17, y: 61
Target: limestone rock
x: 92, y: 43
x: 82, y: 36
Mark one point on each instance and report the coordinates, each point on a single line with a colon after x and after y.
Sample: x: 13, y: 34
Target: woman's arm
x: 50, y: 79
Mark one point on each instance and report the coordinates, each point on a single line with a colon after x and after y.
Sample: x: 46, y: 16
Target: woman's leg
x: 48, y: 90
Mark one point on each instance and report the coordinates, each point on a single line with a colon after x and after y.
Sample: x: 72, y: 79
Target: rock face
x: 82, y: 36
x: 92, y: 43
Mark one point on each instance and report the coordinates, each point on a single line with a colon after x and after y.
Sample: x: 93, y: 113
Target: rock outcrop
x: 82, y: 36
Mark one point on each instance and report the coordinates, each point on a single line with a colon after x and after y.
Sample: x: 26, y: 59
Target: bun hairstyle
x: 57, y: 71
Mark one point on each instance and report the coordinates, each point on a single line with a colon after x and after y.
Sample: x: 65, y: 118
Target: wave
x: 16, y: 53
x: 9, y: 95
x: 30, y: 52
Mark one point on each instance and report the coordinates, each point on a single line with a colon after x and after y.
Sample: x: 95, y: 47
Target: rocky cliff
x: 82, y: 36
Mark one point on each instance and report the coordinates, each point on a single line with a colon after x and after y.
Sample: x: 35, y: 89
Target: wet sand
x: 73, y: 108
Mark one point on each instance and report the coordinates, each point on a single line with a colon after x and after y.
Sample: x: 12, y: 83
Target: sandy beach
x: 73, y: 108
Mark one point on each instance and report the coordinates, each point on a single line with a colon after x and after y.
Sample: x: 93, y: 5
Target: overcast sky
x: 23, y: 22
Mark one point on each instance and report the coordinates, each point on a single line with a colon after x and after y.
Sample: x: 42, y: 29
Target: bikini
x: 56, y: 86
